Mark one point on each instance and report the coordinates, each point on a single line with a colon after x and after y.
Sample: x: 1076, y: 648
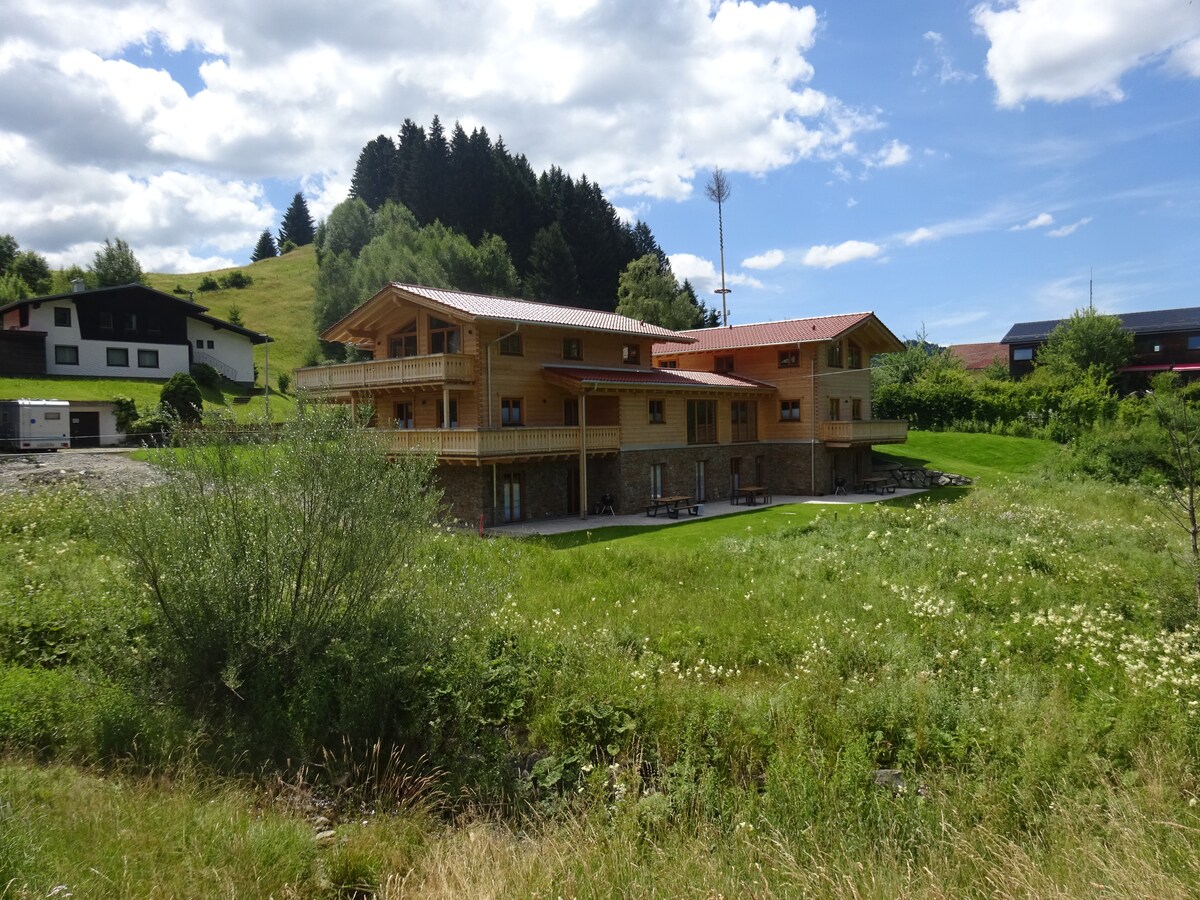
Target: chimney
x: 78, y: 285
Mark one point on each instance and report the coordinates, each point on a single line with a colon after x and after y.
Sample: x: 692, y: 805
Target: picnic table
x: 751, y: 493
x: 672, y: 505
x: 877, y: 484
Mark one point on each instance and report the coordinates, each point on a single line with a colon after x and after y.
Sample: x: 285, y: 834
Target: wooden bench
x: 670, y: 504
x: 877, y: 484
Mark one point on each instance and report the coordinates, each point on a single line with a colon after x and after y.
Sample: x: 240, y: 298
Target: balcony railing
x: 436, y: 369
x: 876, y: 431
x: 479, y: 443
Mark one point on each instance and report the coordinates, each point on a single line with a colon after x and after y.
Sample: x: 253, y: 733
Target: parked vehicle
x: 35, y: 424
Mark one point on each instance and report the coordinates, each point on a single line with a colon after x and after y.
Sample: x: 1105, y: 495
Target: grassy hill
x: 278, y: 303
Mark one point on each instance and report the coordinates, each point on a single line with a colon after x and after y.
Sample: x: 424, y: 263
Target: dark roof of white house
x: 1155, y: 321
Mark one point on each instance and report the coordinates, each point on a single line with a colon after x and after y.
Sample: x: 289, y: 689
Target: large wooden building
x: 535, y: 410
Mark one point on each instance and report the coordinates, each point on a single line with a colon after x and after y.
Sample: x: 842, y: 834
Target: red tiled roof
x: 481, y: 306
x: 765, y: 334
x: 980, y: 356
x: 665, y: 378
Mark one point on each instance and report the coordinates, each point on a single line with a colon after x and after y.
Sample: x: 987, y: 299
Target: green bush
x: 206, y: 376
x: 208, y: 283
x: 292, y: 624
x: 285, y: 382
x: 182, y: 395
x: 237, y: 280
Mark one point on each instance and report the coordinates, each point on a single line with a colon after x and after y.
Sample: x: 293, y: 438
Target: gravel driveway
x: 100, y: 469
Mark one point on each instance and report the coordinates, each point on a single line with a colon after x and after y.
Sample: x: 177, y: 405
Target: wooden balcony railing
x: 483, y: 443
x: 876, y: 431
x: 455, y: 368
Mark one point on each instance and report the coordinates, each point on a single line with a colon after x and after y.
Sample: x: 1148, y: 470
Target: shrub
x: 285, y: 382
x: 205, y: 375
x: 126, y: 413
x: 182, y: 395
x: 290, y: 625
x: 237, y: 281
x: 208, y: 283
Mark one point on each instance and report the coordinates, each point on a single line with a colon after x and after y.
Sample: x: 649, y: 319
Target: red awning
x: 1147, y: 368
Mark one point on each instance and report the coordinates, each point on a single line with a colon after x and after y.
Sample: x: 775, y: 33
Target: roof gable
x: 785, y: 332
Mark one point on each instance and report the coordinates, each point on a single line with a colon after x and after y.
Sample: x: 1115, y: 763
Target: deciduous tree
x: 114, y: 264
x: 1086, y: 340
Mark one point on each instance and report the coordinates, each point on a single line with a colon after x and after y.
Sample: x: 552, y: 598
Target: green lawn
x: 984, y: 456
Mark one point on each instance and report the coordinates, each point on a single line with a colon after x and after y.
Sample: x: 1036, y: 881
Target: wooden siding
x: 487, y: 443
x: 877, y: 431
x: 455, y: 368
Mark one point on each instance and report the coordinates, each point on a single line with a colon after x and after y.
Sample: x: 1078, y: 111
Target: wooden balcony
x: 494, y: 444
x: 440, y: 368
x: 857, y: 434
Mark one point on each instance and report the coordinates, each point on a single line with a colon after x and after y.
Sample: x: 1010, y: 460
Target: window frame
x: 723, y: 364
x: 572, y: 349
x: 856, y: 409
x: 58, y: 355
x: 743, y: 421
x: 1193, y: 341
x: 512, y: 345
x: 1022, y: 354
x: 146, y: 354
x: 119, y: 351
x: 833, y: 355
x: 835, y: 409
x: 789, y: 411
x: 403, y: 340
x: 446, y: 334
x: 62, y: 317
x: 571, y: 412
x: 701, y: 421
x: 854, y: 356
x: 441, y: 414
x: 404, y: 422
x: 656, y: 411
x: 789, y: 359
x: 631, y: 354
x: 510, y: 406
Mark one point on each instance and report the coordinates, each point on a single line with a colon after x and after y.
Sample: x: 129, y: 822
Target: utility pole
x: 718, y: 190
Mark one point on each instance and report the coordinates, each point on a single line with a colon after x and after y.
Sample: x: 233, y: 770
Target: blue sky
x: 955, y: 167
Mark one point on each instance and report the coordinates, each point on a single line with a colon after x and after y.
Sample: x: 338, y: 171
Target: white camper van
x: 35, y: 424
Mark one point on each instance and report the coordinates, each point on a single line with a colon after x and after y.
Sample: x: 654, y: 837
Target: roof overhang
x: 580, y: 379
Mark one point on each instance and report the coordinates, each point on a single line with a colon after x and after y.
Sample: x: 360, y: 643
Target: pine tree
x: 265, y: 249
x: 297, y: 226
x: 376, y: 172
x: 552, y: 277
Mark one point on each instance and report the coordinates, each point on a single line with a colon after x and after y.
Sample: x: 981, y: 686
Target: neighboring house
x: 977, y: 357
x: 536, y: 410
x: 1163, y: 340
x: 130, y: 331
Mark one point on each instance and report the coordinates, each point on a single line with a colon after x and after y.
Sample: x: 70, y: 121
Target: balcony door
x: 444, y: 337
x: 514, y: 497
x: 403, y: 342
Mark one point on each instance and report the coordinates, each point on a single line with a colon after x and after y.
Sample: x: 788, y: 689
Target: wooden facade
x: 553, y: 408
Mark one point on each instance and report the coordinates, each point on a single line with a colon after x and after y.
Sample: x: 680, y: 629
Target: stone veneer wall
x: 788, y: 469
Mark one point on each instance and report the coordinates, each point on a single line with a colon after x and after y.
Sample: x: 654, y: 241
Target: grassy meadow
x: 991, y: 691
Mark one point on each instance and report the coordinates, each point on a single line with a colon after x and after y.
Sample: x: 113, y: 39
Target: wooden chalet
x: 535, y: 410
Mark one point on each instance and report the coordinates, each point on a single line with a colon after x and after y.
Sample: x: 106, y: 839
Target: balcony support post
x: 583, y: 485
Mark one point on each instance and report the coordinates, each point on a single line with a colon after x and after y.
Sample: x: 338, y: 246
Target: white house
x: 130, y: 331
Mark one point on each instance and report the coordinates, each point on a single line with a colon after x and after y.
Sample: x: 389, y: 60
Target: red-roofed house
x: 977, y: 357
x: 537, y: 410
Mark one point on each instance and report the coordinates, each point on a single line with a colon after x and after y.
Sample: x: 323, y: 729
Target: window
x: 700, y: 487
x: 789, y: 359
x: 571, y: 411
x: 1022, y: 354
x: 657, y: 411
x: 835, y: 409
x: 131, y: 321
x: 510, y: 411
x: 199, y: 343
x: 404, y: 414
x: 510, y: 345
x: 789, y: 410
x: 514, y: 489
x: 66, y: 355
x: 668, y: 364
x: 631, y: 354
x: 444, y: 337
x: 210, y: 344
x: 743, y: 417
x: 404, y: 342
x: 52, y: 416
x: 572, y: 348
x: 1148, y: 345
x: 147, y: 359
x: 723, y: 364
x: 855, y: 409
x: 855, y: 356
x: 1193, y: 342
x: 106, y: 320
x: 441, y: 413
x: 834, y: 356
x: 702, y: 421
x: 656, y: 479
x: 62, y: 316
x: 117, y: 356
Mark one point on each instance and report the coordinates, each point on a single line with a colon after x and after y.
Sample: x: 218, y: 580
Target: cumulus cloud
x: 625, y: 92
x: 893, y: 154
x: 706, y: 277
x: 1057, y: 50
x: 768, y: 260
x: 1068, y: 229
x: 1041, y: 220
x: 823, y: 256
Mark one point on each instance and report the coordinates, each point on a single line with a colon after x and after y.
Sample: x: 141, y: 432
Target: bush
x: 290, y: 626
x: 182, y: 395
x: 126, y: 413
x: 285, y: 382
x: 208, y: 283
x: 237, y: 281
x: 205, y: 375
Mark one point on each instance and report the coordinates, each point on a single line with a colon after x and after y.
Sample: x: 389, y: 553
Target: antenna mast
x: 718, y: 190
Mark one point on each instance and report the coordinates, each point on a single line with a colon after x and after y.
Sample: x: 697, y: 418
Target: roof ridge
x: 776, y: 322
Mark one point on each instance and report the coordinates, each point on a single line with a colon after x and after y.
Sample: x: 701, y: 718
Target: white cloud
x: 893, y: 154
x: 706, y: 277
x: 768, y: 260
x: 947, y: 72
x: 624, y: 92
x: 919, y: 235
x: 826, y: 257
x: 1057, y: 50
x: 1068, y: 229
x: 1041, y: 220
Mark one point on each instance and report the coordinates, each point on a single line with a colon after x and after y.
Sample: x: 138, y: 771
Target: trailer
x: 35, y: 424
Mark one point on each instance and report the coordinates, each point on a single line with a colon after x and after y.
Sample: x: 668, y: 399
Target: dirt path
x: 100, y: 469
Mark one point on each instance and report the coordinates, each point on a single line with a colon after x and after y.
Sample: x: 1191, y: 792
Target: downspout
x: 489, y: 370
